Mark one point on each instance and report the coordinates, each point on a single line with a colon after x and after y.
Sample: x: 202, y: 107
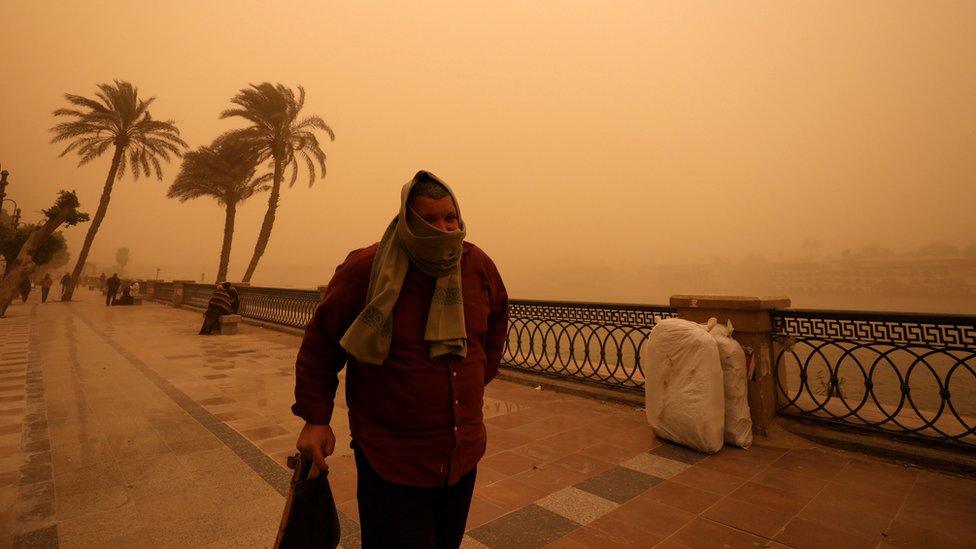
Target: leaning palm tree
x: 119, y: 120
x: 225, y: 171
x: 278, y: 135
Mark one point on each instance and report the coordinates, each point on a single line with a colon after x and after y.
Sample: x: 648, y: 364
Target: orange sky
x: 590, y: 137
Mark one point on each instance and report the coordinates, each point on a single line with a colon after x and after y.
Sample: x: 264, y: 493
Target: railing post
x: 178, y: 291
x: 753, y: 325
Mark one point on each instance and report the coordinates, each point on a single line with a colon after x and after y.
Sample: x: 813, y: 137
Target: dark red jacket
x: 418, y: 420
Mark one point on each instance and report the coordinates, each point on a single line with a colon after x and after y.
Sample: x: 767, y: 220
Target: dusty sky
x: 582, y: 138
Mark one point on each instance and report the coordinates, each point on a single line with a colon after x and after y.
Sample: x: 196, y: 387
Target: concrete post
x: 150, y: 290
x: 753, y: 325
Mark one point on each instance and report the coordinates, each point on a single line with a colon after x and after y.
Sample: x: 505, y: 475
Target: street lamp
x: 16, y: 216
x: 3, y: 197
x: 3, y: 184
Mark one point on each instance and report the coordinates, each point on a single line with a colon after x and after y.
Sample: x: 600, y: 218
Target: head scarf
x: 410, y: 239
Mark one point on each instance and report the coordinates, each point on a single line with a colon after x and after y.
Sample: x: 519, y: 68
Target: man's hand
x: 316, y: 442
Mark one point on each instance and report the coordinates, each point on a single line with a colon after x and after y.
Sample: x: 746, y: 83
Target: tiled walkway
x: 119, y: 427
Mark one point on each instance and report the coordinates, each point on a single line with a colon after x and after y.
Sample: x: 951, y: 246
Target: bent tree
x: 118, y: 120
x: 278, y: 134
x: 224, y: 171
x: 64, y: 211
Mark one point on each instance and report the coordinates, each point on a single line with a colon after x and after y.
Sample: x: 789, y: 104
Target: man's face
x: 439, y: 212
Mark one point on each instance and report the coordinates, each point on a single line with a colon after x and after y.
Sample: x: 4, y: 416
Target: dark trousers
x: 408, y: 517
x: 109, y: 296
x: 44, y: 292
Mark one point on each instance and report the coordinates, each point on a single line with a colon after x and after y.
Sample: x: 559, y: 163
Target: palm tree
x: 118, y: 120
x: 224, y: 171
x: 277, y: 134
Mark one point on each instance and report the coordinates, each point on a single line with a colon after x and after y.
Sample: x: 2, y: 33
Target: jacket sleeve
x: 497, y: 322
x: 320, y: 357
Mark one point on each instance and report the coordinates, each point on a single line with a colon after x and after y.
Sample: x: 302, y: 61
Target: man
x: 65, y: 284
x: 421, y: 317
x: 25, y: 288
x: 46, y: 284
x: 111, y: 287
x: 101, y: 282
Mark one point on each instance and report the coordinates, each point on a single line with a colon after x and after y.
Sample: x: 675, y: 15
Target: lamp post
x: 3, y: 184
x: 16, y: 216
x: 3, y: 197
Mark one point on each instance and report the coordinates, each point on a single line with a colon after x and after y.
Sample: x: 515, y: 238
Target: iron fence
x: 163, y: 292
x: 597, y: 343
x: 287, y: 307
x: 907, y: 374
x: 197, y: 295
x: 292, y: 308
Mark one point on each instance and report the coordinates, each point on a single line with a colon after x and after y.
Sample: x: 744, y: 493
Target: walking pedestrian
x: 111, y: 287
x: 25, y: 288
x: 46, y: 284
x: 420, y: 319
x: 65, y: 284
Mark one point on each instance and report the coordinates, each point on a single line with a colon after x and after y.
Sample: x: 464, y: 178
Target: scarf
x: 410, y: 239
x: 220, y: 300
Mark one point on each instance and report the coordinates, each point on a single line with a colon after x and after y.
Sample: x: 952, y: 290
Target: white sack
x: 738, y: 422
x: 683, y: 385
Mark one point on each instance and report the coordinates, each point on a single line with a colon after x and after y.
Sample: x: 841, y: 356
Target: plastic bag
x: 738, y: 422
x: 684, y: 393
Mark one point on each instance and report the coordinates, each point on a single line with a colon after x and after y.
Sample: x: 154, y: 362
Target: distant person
x: 420, y: 319
x: 111, y: 287
x: 222, y: 302
x: 65, y: 284
x: 235, y: 300
x: 46, y: 284
x: 125, y: 298
x: 25, y: 288
x: 101, y: 283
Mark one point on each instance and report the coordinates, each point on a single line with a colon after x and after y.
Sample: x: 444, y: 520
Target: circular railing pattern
x: 292, y: 308
x: 592, y: 342
x: 911, y: 375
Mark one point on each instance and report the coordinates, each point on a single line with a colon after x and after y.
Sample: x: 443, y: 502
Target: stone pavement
x: 120, y: 427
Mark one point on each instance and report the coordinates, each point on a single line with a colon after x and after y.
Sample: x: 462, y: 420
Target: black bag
x: 310, y: 519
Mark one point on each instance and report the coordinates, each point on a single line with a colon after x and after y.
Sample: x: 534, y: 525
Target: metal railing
x: 291, y: 308
x: 164, y: 292
x: 598, y: 343
x: 906, y: 374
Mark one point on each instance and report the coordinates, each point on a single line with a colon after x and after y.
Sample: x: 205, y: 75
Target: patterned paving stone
x: 655, y: 465
x: 527, y: 528
x: 618, y: 484
x: 576, y: 505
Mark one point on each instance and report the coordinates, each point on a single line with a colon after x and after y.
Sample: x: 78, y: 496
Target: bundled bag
x: 683, y: 385
x: 738, y: 422
x: 310, y: 519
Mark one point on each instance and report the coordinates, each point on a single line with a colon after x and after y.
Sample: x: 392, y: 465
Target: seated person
x: 125, y: 298
x: 222, y: 302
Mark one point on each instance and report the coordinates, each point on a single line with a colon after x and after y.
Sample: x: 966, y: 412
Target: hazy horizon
x: 588, y: 143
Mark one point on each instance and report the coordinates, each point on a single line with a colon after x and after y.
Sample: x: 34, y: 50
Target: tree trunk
x: 228, y: 239
x: 96, y: 222
x: 23, y: 266
x: 269, y: 218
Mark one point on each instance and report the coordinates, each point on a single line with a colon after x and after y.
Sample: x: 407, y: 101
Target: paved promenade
x: 120, y: 427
